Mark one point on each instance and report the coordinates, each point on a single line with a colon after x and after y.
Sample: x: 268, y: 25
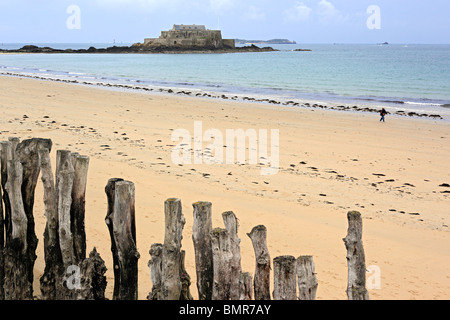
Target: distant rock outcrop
x: 271, y: 41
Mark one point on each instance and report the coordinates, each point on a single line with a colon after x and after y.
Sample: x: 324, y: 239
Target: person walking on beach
x: 382, y: 114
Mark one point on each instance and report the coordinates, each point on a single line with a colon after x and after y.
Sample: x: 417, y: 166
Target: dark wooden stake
x: 307, y: 280
x: 27, y: 154
x: 174, y: 223
x: 64, y: 183
x: 6, y: 155
x: 232, y: 226
x: 51, y: 278
x: 185, y: 279
x: 122, y: 221
x: 201, y: 230
x: 110, y: 191
x: 17, y: 285
x: 285, y: 275
x: 2, y: 245
x: 246, y: 286
x: 155, y: 265
x: 221, y: 245
x: 261, y: 282
x: 356, y: 286
x: 77, y: 210
x: 93, y: 280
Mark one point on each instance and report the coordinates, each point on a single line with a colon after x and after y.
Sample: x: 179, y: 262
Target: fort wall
x: 188, y: 36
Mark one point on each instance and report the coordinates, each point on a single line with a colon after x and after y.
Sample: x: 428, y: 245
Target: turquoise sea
x: 396, y: 76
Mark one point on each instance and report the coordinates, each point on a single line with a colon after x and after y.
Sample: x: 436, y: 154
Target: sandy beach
x: 330, y: 162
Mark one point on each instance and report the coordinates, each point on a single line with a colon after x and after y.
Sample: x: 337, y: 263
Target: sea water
x: 399, y: 77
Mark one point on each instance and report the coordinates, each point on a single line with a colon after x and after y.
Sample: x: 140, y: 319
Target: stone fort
x: 190, y: 36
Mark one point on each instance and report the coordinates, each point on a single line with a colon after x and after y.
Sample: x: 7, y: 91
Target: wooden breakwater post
x: 221, y: 246
x: 235, y: 269
x: 201, y: 231
x: 3, y: 199
x: 171, y: 263
x: 53, y: 259
x: 21, y: 163
x: 217, y: 257
x: 121, y: 223
x: 307, y: 280
x: 356, y: 285
x: 245, y: 286
x: 185, y: 279
x: 285, y: 276
x: 67, y: 276
x: 167, y: 270
x: 80, y: 164
x: 261, y: 282
x: 17, y: 284
x: 27, y: 153
x: 167, y: 264
x: 2, y: 245
x: 19, y: 175
x: 155, y: 266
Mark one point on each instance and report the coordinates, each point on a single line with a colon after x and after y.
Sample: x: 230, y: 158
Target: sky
x: 306, y: 21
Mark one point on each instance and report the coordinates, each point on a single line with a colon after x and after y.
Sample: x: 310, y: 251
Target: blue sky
x: 306, y: 21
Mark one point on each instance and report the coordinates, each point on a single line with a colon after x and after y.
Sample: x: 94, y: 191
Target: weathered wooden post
x: 2, y: 244
x: 185, y: 279
x: 80, y: 164
x: 285, y: 275
x: 110, y: 191
x: 65, y: 277
x: 27, y: 153
x: 52, y: 252
x: 201, y: 230
x: 17, y: 284
x: 307, y: 280
x: 64, y: 184
x: 155, y: 265
x: 14, y: 142
x: 93, y: 280
x: 245, y: 286
x: 6, y: 155
x: 221, y: 245
x: 356, y: 286
x: 232, y: 226
x: 174, y: 224
x: 261, y: 282
x: 121, y: 221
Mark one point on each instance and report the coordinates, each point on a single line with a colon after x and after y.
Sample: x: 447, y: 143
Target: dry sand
x: 327, y: 164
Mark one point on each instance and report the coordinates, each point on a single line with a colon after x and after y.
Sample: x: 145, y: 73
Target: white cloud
x: 219, y: 6
x: 299, y: 12
x: 254, y: 13
x: 141, y: 4
x: 328, y: 12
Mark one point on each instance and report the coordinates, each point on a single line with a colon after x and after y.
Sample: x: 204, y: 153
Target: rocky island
x: 140, y: 49
x: 180, y: 39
